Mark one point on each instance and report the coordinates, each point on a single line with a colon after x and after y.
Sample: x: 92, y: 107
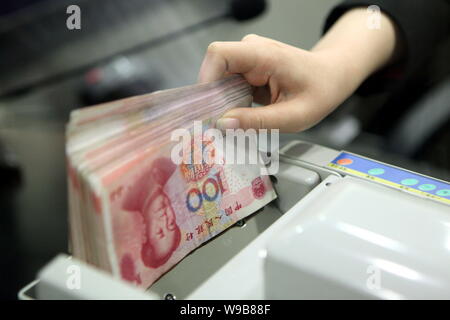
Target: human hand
x: 298, y: 87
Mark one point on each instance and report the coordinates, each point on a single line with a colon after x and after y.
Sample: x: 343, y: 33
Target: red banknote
x: 134, y: 210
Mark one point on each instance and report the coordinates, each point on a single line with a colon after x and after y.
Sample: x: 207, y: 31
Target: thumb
x: 288, y: 116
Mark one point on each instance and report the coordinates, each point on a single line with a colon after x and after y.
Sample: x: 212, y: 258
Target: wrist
x: 358, y: 49
x: 341, y: 72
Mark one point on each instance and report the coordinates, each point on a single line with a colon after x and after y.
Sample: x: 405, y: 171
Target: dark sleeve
x: 422, y: 25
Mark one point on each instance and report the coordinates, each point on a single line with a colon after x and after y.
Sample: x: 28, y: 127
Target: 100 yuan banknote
x: 159, y: 211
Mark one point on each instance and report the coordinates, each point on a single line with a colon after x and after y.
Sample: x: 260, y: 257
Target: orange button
x: 345, y: 161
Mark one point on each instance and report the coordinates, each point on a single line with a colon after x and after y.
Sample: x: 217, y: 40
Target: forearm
x: 358, y: 51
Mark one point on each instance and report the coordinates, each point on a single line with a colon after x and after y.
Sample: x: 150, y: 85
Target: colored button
x: 344, y: 161
x: 427, y: 187
x: 443, y: 192
x: 409, y: 182
x: 375, y: 171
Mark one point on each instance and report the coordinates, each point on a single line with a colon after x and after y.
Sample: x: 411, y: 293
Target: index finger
x: 245, y: 58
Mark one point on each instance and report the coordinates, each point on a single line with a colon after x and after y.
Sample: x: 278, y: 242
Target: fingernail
x: 227, y: 123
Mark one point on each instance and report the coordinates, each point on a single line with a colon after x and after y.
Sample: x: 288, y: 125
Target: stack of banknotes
x: 135, y: 208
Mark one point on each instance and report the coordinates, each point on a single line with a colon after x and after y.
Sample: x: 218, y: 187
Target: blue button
x: 443, y: 192
x: 375, y: 171
x: 409, y: 182
x: 427, y: 187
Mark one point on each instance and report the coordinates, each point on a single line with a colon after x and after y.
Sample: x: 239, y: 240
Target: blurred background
x: 132, y: 47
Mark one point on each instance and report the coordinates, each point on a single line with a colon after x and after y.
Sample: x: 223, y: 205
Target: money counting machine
x: 343, y: 227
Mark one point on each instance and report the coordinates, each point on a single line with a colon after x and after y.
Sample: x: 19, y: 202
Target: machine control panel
x: 392, y: 176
